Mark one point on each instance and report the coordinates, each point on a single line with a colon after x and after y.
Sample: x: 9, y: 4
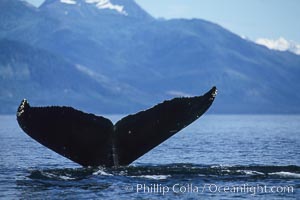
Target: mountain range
x: 111, y: 56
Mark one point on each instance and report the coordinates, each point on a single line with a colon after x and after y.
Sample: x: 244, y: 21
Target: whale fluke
x: 91, y: 140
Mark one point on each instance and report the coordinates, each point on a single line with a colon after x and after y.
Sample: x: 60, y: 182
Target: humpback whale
x: 92, y: 140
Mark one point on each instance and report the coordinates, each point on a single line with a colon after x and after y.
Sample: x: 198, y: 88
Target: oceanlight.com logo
x: 208, y: 188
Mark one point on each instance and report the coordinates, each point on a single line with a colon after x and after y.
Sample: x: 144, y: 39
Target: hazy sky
x: 251, y: 18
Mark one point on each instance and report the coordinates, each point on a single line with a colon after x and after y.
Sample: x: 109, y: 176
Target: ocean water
x: 217, y: 157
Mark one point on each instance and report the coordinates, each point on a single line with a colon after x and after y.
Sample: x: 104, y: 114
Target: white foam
x: 154, y: 177
x: 66, y: 178
x: 250, y: 172
x: 285, y: 174
x: 54, y: 176
x: 102, y: 173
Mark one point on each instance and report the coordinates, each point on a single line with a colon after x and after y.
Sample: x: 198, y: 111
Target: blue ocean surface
x: 217, y: 157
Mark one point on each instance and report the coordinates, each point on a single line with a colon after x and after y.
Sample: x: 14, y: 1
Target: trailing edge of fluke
x: 91, y: 140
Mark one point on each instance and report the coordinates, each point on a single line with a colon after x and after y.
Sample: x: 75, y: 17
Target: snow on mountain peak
x: 106, y: 4
x: 280, y: 44
x: 68, y: 1
x: 100, y: 4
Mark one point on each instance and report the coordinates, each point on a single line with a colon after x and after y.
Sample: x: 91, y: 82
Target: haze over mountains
x: 113, y: 57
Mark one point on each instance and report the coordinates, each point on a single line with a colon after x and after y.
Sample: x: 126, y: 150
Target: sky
x: 273, y: 22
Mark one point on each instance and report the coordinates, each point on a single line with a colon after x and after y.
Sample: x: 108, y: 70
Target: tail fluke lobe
x: 137, y: 134
x: 83, y: 138
x: 92, y: 140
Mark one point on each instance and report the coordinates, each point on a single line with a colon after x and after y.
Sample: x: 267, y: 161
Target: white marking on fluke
x: 22, y: 106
